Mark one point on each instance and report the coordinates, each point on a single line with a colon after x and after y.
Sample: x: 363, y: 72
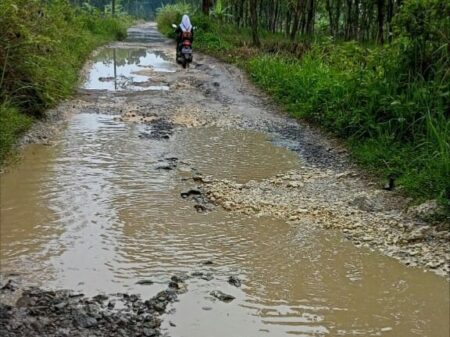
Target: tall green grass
x: 395, y: 130
x: 12, y: 124
x: 391, y: 103
x: 43, y: 44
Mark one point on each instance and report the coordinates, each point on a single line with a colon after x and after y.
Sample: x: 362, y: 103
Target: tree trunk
x: 389, y: 16
x: 239, y: 13
x: 287, y: 28
x: 254, y: 22
x: 330, y: 17
x: 275, y: 17
x: 380, y: 35
x: 311, y: 18
x: 355, y: 29
x: 205, y: 6
x: 296, y: 22
x: 348, y: 20
x: 337, y: 18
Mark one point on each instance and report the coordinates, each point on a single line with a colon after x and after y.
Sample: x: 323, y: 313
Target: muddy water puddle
x: 135, y: 69
x: 94, y: 213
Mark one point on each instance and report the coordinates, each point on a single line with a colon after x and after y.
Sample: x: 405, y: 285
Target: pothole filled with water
x: 133, y: 69
x: 103, y: 214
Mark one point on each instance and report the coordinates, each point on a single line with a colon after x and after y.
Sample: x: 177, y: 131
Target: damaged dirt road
x: 181, y: 203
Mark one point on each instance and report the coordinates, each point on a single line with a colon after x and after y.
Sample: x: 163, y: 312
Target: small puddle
x: 95, y: 214
x: 133, y: 69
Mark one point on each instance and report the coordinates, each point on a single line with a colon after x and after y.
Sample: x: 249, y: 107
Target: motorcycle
x: 184, y: 49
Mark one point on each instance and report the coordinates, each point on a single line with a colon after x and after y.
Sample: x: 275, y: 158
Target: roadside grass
x: 393, y: 114
x: 12, y: 124
x: 43, y: 45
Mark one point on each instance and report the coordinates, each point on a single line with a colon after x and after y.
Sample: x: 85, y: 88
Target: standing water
x: 95, y: 213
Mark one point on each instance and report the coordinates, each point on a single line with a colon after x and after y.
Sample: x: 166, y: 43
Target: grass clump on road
x: 390, y: 102
x: 43, y: 44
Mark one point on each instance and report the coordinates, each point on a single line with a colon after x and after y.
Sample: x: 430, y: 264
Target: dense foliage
x: 43, y: 44
x: 390, y: 101
x: 142, y: 9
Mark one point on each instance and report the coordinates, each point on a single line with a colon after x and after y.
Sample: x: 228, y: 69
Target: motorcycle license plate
x: 186, y: 51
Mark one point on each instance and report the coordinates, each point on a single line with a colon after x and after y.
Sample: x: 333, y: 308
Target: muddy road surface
x: 182, y: 203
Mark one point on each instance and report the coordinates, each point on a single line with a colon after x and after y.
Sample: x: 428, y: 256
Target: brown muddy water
x: 95, y: 214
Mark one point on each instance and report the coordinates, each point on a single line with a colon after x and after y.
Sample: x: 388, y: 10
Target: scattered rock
x: 84, y: 321
x: 9, y: 286
x: 429, y: 210
x: 180, y: 278
x: 365, y: 204
x: 170, y: 164
x: 235, y: 281
x: 159, y: 129
x: 166, y: 167
x: 197, y: 274
x: 145, y: 282
x: 207, y: 277
x: 200, y: 208
x: 202, y: 202
x: 222, y: 296
x: 149, y: 332
x: 100, y: 298
x: 200, y: 179
x: 418, y: 234
x: 63, y: 313
x: 294, y: 184
x: 190, y: 193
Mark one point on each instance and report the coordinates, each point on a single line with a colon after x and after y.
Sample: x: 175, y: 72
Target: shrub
x: 171, y: 14
x: 43, y: 44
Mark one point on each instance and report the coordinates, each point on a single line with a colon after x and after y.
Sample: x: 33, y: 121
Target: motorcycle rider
x: 184, y: 31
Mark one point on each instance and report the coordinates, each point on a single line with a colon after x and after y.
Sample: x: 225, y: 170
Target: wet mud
x: 153, y: 171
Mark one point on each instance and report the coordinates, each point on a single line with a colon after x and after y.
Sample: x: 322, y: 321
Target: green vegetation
x: 12, y: 124
x: 43, y: 45
x: 169, y: 14
x: 389, y: 101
